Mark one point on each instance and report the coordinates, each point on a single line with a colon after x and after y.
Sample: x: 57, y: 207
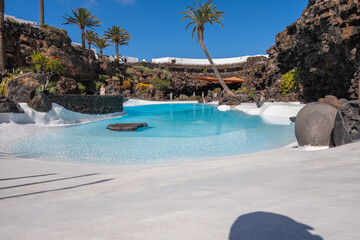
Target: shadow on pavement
x: 58, y: 189
x: 269, y: 226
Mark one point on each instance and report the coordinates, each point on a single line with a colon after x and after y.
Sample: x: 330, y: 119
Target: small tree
x: 46, y: 66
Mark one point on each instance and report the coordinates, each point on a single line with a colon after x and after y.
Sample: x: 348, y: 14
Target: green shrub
x: 244, y: 89
x: 198, y: 97
x: 131, y: 71
x: 290, y: 81
x: 233, y: 90
x: 251, y: 96
x: 103, y: 77
x: 5, y: 81
x: 160, y: 84
x: 168, y: 75
x: 40, y: 89
x: 82, y: 88
x: 44, y: 25
x: 217, y: 90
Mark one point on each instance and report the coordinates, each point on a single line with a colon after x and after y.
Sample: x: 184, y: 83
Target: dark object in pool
x: 126, y: 126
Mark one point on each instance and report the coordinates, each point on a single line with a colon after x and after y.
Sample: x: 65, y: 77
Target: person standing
x: 171, y: 96
x: 102, y: 90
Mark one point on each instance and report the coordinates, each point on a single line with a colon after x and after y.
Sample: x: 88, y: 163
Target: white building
x: 125, y: 59
x: 6, y: 17
x: 190, y: 61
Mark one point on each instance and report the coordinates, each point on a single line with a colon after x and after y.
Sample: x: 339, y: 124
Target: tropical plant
x: 200, y: 15
x: 101, y: 43
x: 2, y: 43
x: 290, y: 81
x: 91, y: 37
x: 82, y: 18
x: 46, y: 66
x: 41, y: 12
x: 118, y: 36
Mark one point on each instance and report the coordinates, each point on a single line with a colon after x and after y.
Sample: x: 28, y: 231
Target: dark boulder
x: 259, y: 103
x: 292, y: 119
x: 67, y: 86
x: 314, y: 124
x: 347, y: 124
x: 41, y: 103
x: 126, y: 126
x: 21, y: 88
x: 331, y: 100
x: 229, y: 100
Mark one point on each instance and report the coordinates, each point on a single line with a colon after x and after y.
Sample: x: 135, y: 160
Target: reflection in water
x: 269, y: 226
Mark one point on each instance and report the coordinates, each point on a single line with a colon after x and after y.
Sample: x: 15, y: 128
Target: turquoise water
x: 176, y: 132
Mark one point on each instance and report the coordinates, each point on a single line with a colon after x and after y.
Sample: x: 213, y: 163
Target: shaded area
x: 48, y: 181
x: 33, y: 176
x: 57, y: 189
x: 269, y: 226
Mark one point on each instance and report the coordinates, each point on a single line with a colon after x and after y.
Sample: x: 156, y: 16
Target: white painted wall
x: 190, y: 61
x: 124, y: 59
x: 20, y: 20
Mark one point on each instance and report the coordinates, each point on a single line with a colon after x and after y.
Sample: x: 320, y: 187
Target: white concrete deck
x: 192, y: 200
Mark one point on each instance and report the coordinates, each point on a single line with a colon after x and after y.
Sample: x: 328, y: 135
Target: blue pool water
x: 176, y: 132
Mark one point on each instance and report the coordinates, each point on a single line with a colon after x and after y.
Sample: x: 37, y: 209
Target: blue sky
x: 250, y: 26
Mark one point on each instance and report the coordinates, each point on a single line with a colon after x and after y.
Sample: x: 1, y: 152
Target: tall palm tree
x: 91, y: 37
x: 199, y: 15
x: 82, y: 18
x: 101, y: 43
x: 118, y: 36
x: 2, y: 43
x: 41, y: 12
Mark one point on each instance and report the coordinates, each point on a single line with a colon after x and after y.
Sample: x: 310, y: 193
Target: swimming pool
x: 176, y: 132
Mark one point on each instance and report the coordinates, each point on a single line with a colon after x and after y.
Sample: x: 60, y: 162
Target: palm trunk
x: 217, y: 74
x: 89, y: 44
x: 41, y: 12
x: 101, y: 53
x: 117, y: 50
x: 2, y: 43
x: 82, y: 37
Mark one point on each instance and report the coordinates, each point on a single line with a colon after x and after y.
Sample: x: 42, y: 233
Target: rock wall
x: 22, y: 39
x: 90, y: 104
x: 325, y: 44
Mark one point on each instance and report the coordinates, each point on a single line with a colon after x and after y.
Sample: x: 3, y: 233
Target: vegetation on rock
x: 161, y: 84
x: 290, y: 81
x: 46, y: 66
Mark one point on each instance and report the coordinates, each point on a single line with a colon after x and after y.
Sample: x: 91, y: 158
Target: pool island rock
x: 126, y: 126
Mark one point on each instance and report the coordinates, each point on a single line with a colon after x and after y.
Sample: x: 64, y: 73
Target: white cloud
x: 125, y: 2
x: 89, y: 3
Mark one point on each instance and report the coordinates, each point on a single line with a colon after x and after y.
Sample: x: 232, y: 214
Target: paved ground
x: 282, y: 194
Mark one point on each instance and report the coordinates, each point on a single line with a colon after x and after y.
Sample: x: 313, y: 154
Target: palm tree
x: 91, y: 37
x: 199, y: 16
x: 82, y: 18
x: 118, y: 36
x: 41, y: 12
x: 2, y: 43
x: 101, y: 43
